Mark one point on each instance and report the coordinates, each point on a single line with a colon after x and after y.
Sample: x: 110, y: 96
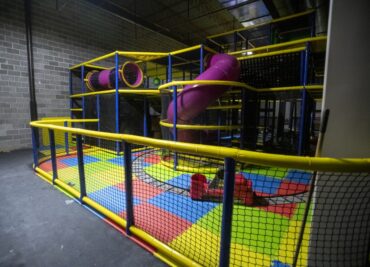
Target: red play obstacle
x: 201, y: 190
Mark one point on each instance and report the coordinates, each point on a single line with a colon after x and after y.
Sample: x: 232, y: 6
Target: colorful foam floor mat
x: 261, y: 236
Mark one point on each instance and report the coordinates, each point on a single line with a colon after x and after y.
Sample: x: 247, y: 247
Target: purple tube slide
x: 130, y: 75
x: 194, y: 99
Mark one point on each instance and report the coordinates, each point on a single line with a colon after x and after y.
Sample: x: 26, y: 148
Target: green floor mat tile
x: 279, y: 173
x: 299, y: 213
x: 102, y: 180
x: 259, y: 230
x: 70, y: 176
x: 102, y: 155
x: 163, y: 173
x: 98, y: 166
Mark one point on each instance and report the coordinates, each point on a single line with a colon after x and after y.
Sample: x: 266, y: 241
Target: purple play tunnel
x: 194, y: 99
x: 129, y: 75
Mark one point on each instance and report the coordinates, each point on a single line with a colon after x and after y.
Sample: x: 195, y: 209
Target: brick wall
x: 63, y: 35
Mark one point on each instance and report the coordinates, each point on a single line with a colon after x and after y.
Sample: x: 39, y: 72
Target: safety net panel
x: 41, y: 143
x: 272, y: 71
x: 178, y: 200
x: 269, y: 204
x: 61, y: 142
x: 104, y: 173
x: 274, y: 225
x: 66, y: 151
x: 340, y: 229
x: 166, y: 208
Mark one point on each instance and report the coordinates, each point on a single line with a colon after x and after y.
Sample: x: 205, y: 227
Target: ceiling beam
x: 259, y: 17
x: 271, y: 8
x: 241, y: 4
x: 134, y: 19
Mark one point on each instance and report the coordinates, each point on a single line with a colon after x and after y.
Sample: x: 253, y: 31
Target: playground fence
x: 147, y: 187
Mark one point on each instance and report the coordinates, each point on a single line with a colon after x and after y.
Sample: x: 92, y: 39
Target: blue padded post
x: 35, y: 147
x: 169, y: 69
x: 98, y: 115
x: 201, y: 56
x: 70, y: 93
x: 227, y: 211
x: 116, y: 59
x: 146, y: 117
x: 174, y: 97
x: 83, y: 91
x: 128, y: 186
x: 66, y: 141
x: 81, y: 167
x: 98, y: 110
x: 303, y: 135
x: 53, y: 154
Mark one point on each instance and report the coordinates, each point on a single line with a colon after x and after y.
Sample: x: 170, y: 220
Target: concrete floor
x: 40, y: 226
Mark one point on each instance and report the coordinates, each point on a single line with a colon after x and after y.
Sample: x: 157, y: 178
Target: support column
x: 340, y: 231
x: 31, y: 75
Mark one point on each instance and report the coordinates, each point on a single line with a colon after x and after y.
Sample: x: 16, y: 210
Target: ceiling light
x: 248, y: 53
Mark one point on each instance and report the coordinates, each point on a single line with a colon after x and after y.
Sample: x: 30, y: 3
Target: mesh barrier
x: 273, y: 122
x: 340, y: 228
x: 41, y: 138
x: 65, y: 151
x: 266, y: 231
x: 66, y: 154
x: 63, y: 145
x: 177, y: 199
x: 104, y: 176
x: 282, y: 70
x: 174, y: 216
x: 272, y: 71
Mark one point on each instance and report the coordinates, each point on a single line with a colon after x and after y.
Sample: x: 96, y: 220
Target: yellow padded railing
x: 120, y: 91
x: 164, y: 87
x: 199, y: 127
x: 251, y: 157
x: 279, y: 46
x: 207, y: 82
x: 273, y: 53
x: 146, y: 56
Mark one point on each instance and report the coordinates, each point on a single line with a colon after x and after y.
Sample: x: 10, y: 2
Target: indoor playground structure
x: 204, y: 156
